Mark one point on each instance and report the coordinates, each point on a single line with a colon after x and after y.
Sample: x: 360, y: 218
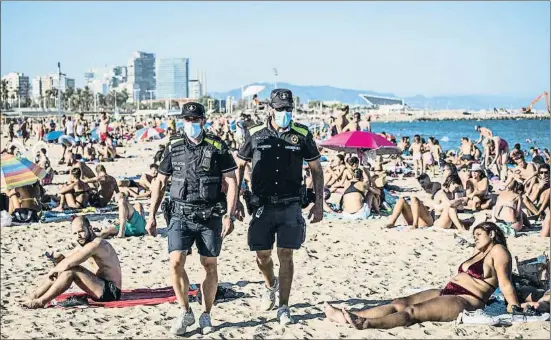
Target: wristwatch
x: 232, y: 217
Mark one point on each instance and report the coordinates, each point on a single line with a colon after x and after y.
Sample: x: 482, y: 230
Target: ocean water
x: 449, y: 133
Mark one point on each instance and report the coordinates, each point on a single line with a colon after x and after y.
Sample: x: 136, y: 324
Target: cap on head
x: 193, y: 109
x: 476, y: 167
x: 281, y: 98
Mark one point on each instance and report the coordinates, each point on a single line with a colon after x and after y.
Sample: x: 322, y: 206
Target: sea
x: 526, y: 132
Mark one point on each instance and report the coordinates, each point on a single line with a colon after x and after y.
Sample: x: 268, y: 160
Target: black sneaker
x: 74, y: 301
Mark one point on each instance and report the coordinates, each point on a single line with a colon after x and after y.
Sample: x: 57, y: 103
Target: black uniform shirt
x: 223, y: 159
x: 277, y: 158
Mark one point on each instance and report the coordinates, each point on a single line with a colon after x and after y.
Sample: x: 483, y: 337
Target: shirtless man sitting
x: 75, y: 193
x: 466, y: 152
x: 477, y: 186
x: 87, y: 173
x: 354, y: 124
x: 132, y: 189
x: 335, y: 170
x: 44, y: 163
x: 102, y: 284
x: 428, y: 186
x: 525, y: 173
x: 536, y: 199
x: 107, y: 186
x: 131, y: 220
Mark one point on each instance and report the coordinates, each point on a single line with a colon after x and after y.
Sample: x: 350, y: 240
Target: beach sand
x: 351, y: 264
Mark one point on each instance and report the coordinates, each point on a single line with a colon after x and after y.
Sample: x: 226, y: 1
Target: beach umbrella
x: 353, y: 141
x: 52, y: 136
x: 67, y: 140
x: 164, y: 125
x: 94, y: 133
x: 149, y: 132
x: 252, y: 90
x: 16, y: 172
x: 180, y: 125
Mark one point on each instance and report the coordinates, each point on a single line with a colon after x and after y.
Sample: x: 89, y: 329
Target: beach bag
x: 535, y: 270
x: 24, y: 215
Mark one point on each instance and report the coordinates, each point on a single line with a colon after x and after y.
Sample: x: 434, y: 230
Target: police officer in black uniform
x: 277, y: 149
x: 200, y: 212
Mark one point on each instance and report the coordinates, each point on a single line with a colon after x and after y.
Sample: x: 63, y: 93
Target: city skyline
x: 403, y: 48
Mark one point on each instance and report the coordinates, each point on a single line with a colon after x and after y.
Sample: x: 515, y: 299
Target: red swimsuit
x: 475, y: 270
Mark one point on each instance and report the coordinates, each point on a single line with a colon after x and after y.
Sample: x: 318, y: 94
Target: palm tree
x: 80, y: 96
x: 48, y: 96
x: 87, y: 98
x: 16, y: 93
x: 55, y: 93
x: 67, y: 95
x: 102, y: 101
x: 124, y: 97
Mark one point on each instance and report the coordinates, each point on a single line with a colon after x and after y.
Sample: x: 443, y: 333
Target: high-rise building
x: 106, y: 78
x: 36, y: 88
x: 195, y: 89
x: 18, y: 86
x: 50, y: 81
x: 141, y: 75
x: 172, y: 76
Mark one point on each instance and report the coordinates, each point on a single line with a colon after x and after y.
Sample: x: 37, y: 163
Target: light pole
x: 150, y: 98
x: 59, y: 75
x: 136, y: 98
x: 275, y: 83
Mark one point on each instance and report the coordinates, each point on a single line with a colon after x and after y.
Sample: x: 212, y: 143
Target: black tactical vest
x: 196, y: 177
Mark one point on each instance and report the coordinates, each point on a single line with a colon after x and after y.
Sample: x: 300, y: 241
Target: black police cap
x: 281, y: 98
x: 193, y: 109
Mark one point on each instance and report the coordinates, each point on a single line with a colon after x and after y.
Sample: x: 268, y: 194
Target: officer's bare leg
x: 210, y: 283
x: 266, y: 266
x: 178, y: 276
x: 286, y: 270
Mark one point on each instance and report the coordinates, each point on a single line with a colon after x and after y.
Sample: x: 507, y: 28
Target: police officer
x: 277, y: 149
x: 198, y: 163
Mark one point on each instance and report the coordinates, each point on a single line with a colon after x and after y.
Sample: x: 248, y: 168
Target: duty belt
x: 273, y: 200
x: 196, y: 211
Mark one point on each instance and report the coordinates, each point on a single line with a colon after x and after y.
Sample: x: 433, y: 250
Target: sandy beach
x: 350, y: 264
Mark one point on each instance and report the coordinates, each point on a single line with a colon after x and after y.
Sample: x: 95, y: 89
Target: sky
x: 405, y: 48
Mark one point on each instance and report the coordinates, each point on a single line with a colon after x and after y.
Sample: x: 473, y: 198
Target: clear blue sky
x: 407, y: 48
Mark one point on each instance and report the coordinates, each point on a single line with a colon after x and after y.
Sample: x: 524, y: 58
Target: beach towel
x: 93, y: 214
x: 495, y: 314
x: 129, y: 298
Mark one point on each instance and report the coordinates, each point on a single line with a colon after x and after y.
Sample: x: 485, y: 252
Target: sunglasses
x: 543, y: 172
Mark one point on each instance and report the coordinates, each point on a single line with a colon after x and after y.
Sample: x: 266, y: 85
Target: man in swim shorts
x: 131, y: 220
x: 102, y: 284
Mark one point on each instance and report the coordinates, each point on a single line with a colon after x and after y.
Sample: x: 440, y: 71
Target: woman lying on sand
x: 470, y: 289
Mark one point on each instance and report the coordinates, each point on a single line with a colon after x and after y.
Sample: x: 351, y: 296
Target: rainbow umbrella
x: 16, y: 172
x: 149, y: 132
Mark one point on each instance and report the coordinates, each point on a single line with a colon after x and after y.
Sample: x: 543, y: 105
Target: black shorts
x: 285, y: 221
x: 183, y: 232
x: 467, y: 158
x: 110, y: 292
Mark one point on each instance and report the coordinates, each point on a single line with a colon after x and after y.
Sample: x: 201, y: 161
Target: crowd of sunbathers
x: 514, y: 198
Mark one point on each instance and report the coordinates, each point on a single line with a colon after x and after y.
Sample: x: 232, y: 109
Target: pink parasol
x: 353, y: 141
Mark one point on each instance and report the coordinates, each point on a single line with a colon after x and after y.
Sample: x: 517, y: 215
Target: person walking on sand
x: 200, y: 164
x: 416, y: 149
x: 277, y: 149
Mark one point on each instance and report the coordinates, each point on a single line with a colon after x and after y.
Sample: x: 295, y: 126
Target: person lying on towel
x: 131, y: 220
x: 102, y: 284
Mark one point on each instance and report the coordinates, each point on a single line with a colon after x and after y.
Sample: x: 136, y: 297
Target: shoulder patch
x: 302, y: 129
x: 256, y: 128
x: 215, y: 143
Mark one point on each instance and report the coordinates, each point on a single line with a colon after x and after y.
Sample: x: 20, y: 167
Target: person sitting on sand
x: 476, y: 280
x: 354, y: 124
x: 132, y: 188
x: 507, y: 209
x: 107, y: 186
x: 525, y: 173
x: 536, y: 199
x: 26, y: 197
x: 103, y: 284
x: 87, y: 173
x: 485, y: 133
x: 478, y: 195
x: 444, y: 215
x: 352, y: 164
x: 131, y: 220
x: 428, y: 186
x: 466, y: 152
x: 334, y: 171
x: 75, y: 194
x: 356, y: 201
x: 416, y: 149
x: 89, y: 151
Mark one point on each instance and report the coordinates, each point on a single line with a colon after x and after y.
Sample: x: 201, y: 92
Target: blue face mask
x: 192, y: 130
x: 282, y: 118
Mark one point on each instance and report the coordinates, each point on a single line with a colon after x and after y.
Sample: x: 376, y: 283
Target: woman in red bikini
x: 470, y: 289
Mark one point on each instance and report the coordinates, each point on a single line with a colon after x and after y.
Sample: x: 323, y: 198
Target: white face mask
x: 283, y: 118
x: 192, y: 130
